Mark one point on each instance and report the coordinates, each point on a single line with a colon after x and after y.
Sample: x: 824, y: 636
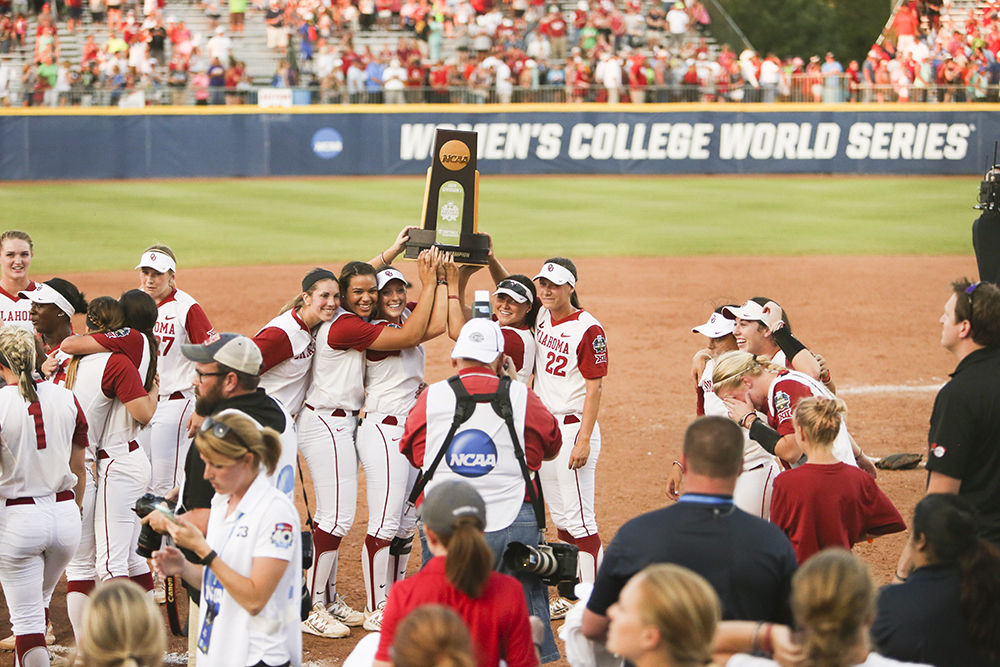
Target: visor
x: 514, y: 290
x: 383, y: 277
x: 718, y: 325
x: 751, y: 311
x: 47, y: 294
x: 158, y: 261
x: 556, y: 273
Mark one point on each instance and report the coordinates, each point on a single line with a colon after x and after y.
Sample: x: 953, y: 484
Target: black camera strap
x: 465, y: 405
x: 309, y: 517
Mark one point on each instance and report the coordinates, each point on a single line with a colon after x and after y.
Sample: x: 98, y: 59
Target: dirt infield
x: 874, y: 318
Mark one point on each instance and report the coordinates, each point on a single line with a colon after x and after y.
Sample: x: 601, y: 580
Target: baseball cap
x: 514, y: 290
x: 383, y: 277
x: 479, y: 339
x: 556, y: 273
x: 229, y: 349
x: 751, y: 311
x: 449, y: 501
x: 158, y: 261
x: 718, y: 325
x: 47, y: 294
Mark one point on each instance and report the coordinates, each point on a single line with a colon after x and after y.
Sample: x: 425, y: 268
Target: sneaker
x: 343, y: 612
x: 373, y: 619
x: 558, y: 606
x: 8, y: 643
x: 321, y: 624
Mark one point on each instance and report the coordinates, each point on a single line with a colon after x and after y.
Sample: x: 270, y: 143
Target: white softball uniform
x: 567, y: 353
x: 786, y: 392
x: 39, y: 522
x: 519, y: 345
x: 265, y: 524
x: 287, y: 345
x: 15, y: 310
x: 104, y: 383
x: 753, y: 486
x: 181, y: 320
x: 392, y: 380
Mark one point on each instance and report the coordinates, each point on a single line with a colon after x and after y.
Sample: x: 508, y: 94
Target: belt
x: 339, y: 412
x: 103, y: 453
x: 176, y: 396
x: 60, y: 497
x: 390, y: 421
x: 570, y: 419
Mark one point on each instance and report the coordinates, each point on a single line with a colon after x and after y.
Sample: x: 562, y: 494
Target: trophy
x: 450, y: 214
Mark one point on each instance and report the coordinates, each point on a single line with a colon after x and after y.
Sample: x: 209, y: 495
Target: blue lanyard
x: 705, y: 499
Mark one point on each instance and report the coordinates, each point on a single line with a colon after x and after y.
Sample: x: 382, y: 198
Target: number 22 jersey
x: 568, y: 352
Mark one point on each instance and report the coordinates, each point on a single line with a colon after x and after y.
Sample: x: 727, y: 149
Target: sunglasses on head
x: 516, y: 287
x: 970, y: 291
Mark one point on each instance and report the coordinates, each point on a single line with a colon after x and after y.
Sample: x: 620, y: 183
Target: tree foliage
x: 810, y: 27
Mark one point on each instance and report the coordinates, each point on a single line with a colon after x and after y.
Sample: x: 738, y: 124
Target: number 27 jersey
x: 567, y: 353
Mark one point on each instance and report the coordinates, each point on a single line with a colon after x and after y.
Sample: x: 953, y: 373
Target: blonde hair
x: 19, y: 236
x: 733, y: 366
x: 820, y: 418
x: 165, y: 249
x: 243, y: 436
x: 683, y: 608
x: 832, y: 600
x: 17, y: 352
x: 432, y: 636
x: 121, y: 628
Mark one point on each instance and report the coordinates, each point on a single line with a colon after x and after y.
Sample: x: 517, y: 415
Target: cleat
x: 322, y: 624
x: 340, y: 610
x: 558, y: 606
x: 373, y: 619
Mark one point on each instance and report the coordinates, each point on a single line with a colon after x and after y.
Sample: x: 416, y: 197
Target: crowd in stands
x: 477, y: 51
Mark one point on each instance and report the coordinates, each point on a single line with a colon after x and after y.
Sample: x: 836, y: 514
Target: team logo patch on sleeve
x: 782, y: 405
x: 600, y: 345
x: 118, y: 333
x: 282, y: 536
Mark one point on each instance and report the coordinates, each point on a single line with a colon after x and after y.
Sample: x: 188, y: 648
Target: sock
x: 76, y: 602
x: 144, y: 580
x: 324, y: 568
x: 31, y: 650
x: 565, y: 536
x: 591, y: 554
x: 375, y: 566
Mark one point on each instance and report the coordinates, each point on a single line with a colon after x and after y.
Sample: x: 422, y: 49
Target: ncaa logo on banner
x: 472, y: 453
x: 327, y: 143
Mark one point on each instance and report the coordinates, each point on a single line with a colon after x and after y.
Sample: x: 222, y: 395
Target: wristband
x: 755, y: 637
x: 442, y: 281
x: 453, y: 296
x: 207, y: 560
x: 382, y: 255
x: 743, y: 421
x: 766, y: 645
x: 788, y: 343
x: 764, y: 435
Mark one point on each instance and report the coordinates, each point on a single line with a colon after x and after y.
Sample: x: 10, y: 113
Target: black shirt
x: 921, y: 620
x: 258, y: 406
x: 748, y: 561
x: 964, y: 438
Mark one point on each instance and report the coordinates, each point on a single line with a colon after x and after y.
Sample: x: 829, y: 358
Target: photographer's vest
x: 481, y: 452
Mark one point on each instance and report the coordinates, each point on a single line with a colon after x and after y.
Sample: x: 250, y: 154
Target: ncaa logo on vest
x: 472, y: 453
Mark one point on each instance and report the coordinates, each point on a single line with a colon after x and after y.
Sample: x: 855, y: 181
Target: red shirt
x: 497, y: 620
x: 542, y: 437
x: 830, y: 505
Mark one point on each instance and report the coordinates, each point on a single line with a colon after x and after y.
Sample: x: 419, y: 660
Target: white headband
x: 556, y: 273
x: 47, y: 294
x: 158, y: 261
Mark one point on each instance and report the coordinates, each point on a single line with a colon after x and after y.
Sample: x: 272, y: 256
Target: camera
x: 553, y: 562
x: 989, y: 190
x: 149, y: 539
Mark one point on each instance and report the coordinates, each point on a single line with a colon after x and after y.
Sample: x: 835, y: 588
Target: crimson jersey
x: 180, y: 321
x: 287, y: 345
x: 36, y: 440
x: 519, y: 345
x: 104, y: 383
x: 568, y: 352
x: 393, y: 377
x: 16, y: 310
x: 785, y: 393
x: 339, y: 369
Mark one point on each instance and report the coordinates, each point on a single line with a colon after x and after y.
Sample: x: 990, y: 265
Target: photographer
x: 249, y: 560
x: 460, y: 576
x: 483, y: 452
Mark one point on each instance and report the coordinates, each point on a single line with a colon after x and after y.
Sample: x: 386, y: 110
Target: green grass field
x: 93, y: 226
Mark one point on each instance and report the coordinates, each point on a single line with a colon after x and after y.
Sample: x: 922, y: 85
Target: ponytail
x: 17, y: 352
x: 568, y: 264
x: 820, y: 419
x: 470, y: 559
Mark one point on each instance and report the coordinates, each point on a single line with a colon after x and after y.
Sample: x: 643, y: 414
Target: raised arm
x: 415, y: 326
x: 384, y: 258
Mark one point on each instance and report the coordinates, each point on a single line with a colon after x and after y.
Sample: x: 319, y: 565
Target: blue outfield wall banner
x: 175, y: 143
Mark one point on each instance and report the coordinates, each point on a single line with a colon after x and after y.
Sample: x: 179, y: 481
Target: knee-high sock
x: 76, y: 602
x: 591, y: 554
x: 145, y: 581
x: 565, y: 536
x: 375, y: 566
x: 31, y: 650
x: 322, y: 576
x: 400, y: 550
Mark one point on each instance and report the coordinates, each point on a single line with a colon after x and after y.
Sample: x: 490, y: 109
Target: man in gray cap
x: 482, y: 451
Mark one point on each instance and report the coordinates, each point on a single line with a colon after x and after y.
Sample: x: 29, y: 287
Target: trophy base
x: 472, y: 248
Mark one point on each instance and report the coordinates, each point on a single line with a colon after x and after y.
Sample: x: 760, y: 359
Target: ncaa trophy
x: 450, y: 214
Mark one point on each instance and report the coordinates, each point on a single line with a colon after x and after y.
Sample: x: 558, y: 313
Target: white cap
x: 751, y: 311
x: 229, y: 349
x: 514, y: 290
x: 479, y: 339
x: 158, y: 261
x: 556, y: 273
x: 383, y: 277
x: 718, y: 325
x: 47, y: 294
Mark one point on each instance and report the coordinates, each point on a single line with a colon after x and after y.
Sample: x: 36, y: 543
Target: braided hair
x: 17, y: 353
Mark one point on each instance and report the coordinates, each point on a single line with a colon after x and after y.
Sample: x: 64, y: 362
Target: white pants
x: 168, y: 443
x: 570, y: 493
x: 121, y: 480
x: 81, y: 566
x: 389, y: 477
x: 327, y: 444
x: 753, y: 489
x: 36, y: 543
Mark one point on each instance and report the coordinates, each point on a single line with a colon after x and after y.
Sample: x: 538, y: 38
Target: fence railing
x: 796, y: 89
